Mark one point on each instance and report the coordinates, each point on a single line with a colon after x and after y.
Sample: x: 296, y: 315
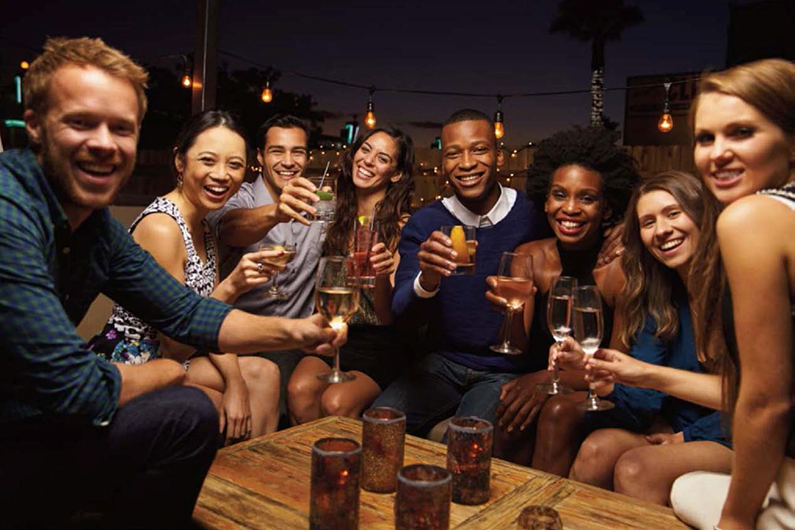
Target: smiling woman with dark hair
x: 582, y: 180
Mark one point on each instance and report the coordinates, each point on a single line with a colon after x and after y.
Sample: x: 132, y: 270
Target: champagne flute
x: 287, y: 255
x: 588, y: 330
x: 514, y: 283
x: 559, y: 304
x: 337, y: 298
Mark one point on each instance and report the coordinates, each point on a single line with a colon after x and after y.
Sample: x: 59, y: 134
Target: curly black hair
x: 592, y: 148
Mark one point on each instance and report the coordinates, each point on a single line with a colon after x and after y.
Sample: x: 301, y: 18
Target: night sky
x: 492, y: 46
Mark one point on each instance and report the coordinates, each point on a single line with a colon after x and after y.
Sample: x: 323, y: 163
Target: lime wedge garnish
x: 324, y: 195
x: 362, y: 220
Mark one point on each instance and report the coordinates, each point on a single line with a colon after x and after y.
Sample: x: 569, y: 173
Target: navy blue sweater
x: 461, y: 322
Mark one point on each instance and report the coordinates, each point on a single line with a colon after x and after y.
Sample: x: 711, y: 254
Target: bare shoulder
x: 539, y: 248
x: 756, y: 216
x: 610, y: 279
x: 159, y: 234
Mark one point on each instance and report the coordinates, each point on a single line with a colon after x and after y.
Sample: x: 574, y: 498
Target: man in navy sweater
x: 461, y: 374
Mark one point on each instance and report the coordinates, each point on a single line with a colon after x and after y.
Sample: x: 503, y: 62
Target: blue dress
x: 636, y: 408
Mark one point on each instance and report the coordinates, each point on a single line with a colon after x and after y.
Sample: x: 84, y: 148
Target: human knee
x: 631, y: 473
x: 261, y: 372
x: 337, y: 404
x: 590, y: 459
x: 301, y: 389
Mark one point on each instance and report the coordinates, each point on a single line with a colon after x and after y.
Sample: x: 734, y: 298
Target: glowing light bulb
x: 24, y: 65
x: 186, y: 81
x: 499, y: 129
x: 267, y: 95
x: 666, y: 123
x: 369, y: 118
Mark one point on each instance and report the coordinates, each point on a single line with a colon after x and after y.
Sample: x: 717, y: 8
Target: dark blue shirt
x: 461, y: 322
x: 49, y: 276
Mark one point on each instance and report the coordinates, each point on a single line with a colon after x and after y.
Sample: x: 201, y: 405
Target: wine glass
x: 286, y: 256
x: 514, y: 284
x: 559, y: 304
x: 588, y: 330
x: 337, y: 298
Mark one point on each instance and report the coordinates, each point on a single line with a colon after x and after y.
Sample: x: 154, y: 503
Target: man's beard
x: 57, y: 169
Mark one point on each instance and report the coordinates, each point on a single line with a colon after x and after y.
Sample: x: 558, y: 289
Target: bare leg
x: 304, y: 390
x: 599, y: 453
x: 559, y: 434
x: 648, y: 472
x: 350, y: 398
x: 262, y: 379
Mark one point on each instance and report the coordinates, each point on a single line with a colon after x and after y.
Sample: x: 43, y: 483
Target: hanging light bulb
x: 666, y: 122
x: 186, y: 81
x: 369, y: 118
x: 24, y: 65
x: 267, y: 94
x: 499, y: 124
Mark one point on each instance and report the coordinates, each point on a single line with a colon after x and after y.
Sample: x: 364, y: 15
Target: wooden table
x: 264, y: 483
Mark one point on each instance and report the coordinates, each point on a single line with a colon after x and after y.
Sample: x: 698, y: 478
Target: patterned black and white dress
x: 125, y: 337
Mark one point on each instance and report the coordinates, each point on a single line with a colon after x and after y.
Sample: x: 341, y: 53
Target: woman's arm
x: 385, y: 264
x: 755, y: 235
x: 159, y: 235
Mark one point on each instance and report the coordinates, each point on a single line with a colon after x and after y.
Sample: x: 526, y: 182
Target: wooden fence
x: 153, y: 176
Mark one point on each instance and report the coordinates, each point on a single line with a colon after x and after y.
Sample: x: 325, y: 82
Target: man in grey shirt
x: 268, y: 211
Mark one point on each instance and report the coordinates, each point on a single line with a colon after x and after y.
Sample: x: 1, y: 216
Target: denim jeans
x: 437, y: 387
x: 144, y: 470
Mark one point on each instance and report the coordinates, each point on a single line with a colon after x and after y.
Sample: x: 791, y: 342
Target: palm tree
x: 597, y: 22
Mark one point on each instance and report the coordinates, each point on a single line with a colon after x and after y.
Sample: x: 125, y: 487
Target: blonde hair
x: 83, y: 51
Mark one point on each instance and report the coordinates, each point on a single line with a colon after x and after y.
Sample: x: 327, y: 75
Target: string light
x: 24, y: 65
x: 666, y: 122
x: 267, y: 95
x: 499, y: 125
x: 369, y: 119
x: 187, y: 80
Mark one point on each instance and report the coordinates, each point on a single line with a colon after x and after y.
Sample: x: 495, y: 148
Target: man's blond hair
x: 83, y: 51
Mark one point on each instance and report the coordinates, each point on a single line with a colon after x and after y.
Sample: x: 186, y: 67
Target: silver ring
x: 260, y: 267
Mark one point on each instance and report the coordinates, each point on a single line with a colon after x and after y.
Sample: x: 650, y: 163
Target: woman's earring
x: 179, y: 181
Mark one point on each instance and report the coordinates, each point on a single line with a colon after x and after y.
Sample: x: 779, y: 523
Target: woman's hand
x: 498, y: 301
x: 235, y: 412
x: 625, y: 369
x: 666, y: 438
x: 383, y: 260
x: 254, y: 269
x: 568, y: 355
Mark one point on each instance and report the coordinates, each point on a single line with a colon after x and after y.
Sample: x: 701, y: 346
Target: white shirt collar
x: 498, y: 212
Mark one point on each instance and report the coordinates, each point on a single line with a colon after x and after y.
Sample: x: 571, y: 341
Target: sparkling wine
x: 559, y: 316
x: 588, y: 328
x: 515, y: 291
x: 337, y: 304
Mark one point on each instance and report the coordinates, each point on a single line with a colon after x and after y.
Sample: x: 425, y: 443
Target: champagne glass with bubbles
x: 514, y: 284
x: 559, y: 304
x: 588, y: 329
x: 337, y: 298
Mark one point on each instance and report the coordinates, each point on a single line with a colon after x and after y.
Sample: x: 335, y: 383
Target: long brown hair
x: 768, y: 86
x: 388, y: 212
x: 650, y: 285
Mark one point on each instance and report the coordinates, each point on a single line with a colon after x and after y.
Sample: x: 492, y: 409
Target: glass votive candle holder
x: 540, y: 518
x: 334, y: 493
x: 423, y: 498
x: 469, y: 443
x: 383, y: 435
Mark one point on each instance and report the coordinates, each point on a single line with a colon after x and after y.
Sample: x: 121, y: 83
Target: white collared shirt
x: 498, y: 212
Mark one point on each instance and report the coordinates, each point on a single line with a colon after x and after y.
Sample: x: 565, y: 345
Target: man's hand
x: 235, y: 412
x: 665, y: 438
x: 612, y: 247
x: 521, y: 401
x: 317, y: 336
x: 296, y: 197
x: 437, y: 260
